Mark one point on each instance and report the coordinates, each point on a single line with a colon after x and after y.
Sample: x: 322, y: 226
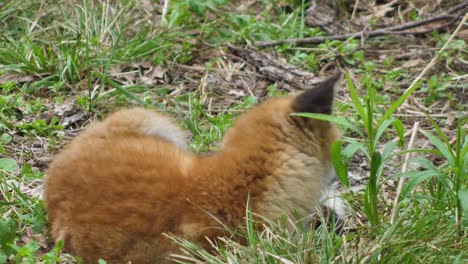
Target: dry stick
x: 354, y: 10
x: 164, y: 12
x: 374, y: 33
x: 404, y: 169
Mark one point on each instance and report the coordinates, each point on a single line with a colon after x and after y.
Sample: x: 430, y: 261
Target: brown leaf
x: 16, y: 77
x: 125, y: 75
x: 32, y: 188
x: 382, y: 10
x: 320, y: 13
x: 29, y: 235
x: 154, y: 75
x: 64, y: 108
x: 238, y: 93
x: 69, y: 120
x: 376, y: 11
x: 412, y: 63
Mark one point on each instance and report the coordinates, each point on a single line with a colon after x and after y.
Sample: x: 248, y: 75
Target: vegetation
x: 66, y: 63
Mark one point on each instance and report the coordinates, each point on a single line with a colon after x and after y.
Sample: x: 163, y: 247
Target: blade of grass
x: 121, y: 89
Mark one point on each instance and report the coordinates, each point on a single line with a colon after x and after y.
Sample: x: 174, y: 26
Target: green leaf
x: 59, y: 245
x: 122, y: 89
x: 400, y: 129
x: 27, y: 251
x: 370, y: 194
x: 370, y: 205
x: 424, y: 163
x: 376, y: 162
x: 340, y: 120
x: 197, y: 7
x: 340, y: 162
x: 355, y: 99
x: 7, y: 235
x: 252, y: 239
x: 53, y: 256
x: 445, y: 151
x: 3, y: 257
x: 464, y: 151
x: 9, y: 165
x: 440, y: 176
x: 352, y: 147
x: 388, y: 149
x: 398, y: 102
x: 101, y: 261
x: 463, y: 196
x: 414, y: 179
x: 5, y: 139
x: 380, y: 131
x: 250, y: 101
x: 438, y: 131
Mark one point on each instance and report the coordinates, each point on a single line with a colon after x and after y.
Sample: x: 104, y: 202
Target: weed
x: 371, y: 129
x: 447, y: 182
x: 40, y: 127
x: 285, y: 241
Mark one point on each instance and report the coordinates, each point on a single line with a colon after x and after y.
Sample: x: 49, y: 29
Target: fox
x: 116, y: 189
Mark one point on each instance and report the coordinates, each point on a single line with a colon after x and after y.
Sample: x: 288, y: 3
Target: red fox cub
x: 118, y: 187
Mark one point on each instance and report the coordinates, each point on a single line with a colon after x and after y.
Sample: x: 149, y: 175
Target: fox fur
x: 118, y: 187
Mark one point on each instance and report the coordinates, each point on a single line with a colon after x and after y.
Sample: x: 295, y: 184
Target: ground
x: 65, y: 64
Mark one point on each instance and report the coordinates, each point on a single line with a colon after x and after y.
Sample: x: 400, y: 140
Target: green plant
x: 436, y: 89
x: 348, y: 50
x: 371, y: 128
x: 208, y: 129
x: 447, y: 183
x: 25, y: 253
x: 285, y: 241
x: 4, y: 140
x: 41, y: 128
x: 7, y: 237
x: 53, y: 256
x: 8, y: 165
x: 273, y: 91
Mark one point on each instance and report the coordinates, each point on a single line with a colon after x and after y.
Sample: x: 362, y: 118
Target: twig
x: 422, y: 31
x: 404, y: 169
x: 164, y: 12
x: 275, y: 70
x: 399, y: 29
x: 354, y: 9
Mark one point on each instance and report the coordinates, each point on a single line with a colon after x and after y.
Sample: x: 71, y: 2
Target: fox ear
x: 319, y: 99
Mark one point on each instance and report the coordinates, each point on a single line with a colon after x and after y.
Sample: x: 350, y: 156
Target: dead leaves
x: 413, y: 63
x: 18, y: 78
x: 322, y: 14
x: 373, y: 11
x: 142, y: 72
x: 275, y: 69
x: 69, y: 113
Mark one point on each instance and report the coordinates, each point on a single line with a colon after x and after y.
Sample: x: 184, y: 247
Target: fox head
x: 272, y: 121
x: 294, y: 151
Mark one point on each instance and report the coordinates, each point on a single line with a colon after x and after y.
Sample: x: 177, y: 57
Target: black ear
x: 319, y: 99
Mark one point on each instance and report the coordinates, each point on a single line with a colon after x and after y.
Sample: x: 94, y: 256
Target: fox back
x: 118, y: 187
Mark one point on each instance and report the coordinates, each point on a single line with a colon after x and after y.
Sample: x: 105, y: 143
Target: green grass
x: 94, y: 57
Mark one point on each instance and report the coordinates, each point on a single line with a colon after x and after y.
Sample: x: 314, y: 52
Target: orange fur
x: 115, y: 189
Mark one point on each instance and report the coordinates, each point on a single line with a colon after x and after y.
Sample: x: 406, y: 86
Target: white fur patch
x: 331, y: 198
x: 164, y: 128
